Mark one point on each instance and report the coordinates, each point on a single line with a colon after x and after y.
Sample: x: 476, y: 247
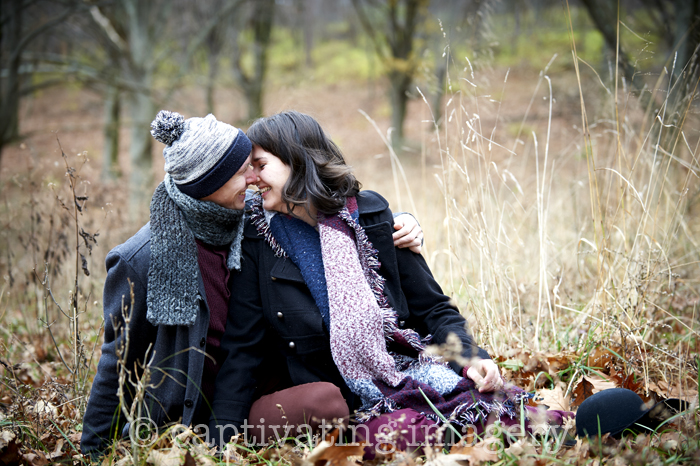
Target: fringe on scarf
x: 464, y: 414
x: 257, y: 216
x: 369, y: 259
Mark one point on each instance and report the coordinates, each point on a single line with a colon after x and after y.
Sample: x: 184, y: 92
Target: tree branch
x: 369, y: 29
x: 38, y: 31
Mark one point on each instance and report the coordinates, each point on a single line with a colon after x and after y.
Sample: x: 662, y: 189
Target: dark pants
x: 296, y: 412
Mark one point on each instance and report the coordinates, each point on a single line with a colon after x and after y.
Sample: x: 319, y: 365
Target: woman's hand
x: 486, y: 374
x: 409, y: 234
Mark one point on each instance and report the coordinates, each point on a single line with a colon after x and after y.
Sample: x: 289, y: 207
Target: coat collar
x: 368, y: 202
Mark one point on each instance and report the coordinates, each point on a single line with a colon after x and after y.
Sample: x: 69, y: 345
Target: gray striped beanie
x: 201, y: 154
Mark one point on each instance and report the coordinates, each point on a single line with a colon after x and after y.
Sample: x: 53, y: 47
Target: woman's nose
x: 251, y: 177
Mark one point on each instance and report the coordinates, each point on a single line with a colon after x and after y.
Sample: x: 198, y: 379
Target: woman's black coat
x: 275, y: 331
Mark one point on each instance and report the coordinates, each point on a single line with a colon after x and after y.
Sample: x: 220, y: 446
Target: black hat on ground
x: 616, y: 409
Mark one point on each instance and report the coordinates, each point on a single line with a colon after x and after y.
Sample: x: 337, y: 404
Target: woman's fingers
x: 473, y: 373
x: 488, y: 375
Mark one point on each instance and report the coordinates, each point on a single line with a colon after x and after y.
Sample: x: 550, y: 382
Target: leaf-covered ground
x: 41, y: 425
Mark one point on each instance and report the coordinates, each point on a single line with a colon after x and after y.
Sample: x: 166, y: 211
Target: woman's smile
x: 272, y: 175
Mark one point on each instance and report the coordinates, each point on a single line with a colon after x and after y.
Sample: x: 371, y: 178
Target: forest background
x: 549, y: 149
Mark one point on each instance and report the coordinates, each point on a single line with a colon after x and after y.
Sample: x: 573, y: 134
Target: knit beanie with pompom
x: 201, y: 154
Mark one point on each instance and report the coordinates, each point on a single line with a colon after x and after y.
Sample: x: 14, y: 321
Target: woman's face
x: 272, y: 175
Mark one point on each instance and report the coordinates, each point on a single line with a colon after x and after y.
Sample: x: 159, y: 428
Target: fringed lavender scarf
x: 339, y: 265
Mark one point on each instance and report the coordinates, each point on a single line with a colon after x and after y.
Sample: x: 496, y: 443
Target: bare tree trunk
x: 262, y: 18
x: 398, y: 96
x: 604, y: 16
x: 393, y: 42
x: 262, y: 27
x: 309, y: 11
x: 516, y: 30
x: 141, y: 106
x: 110, y: 152
x: 687, y: 37
x: 9, y: 94
x: 685, y: 72
x: 440, y: 74
x: 141, y: 179
x: 211, y: 81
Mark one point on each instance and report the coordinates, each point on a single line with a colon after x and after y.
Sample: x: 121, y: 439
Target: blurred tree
x: 604, y: 16
x: 260, y: 16
x: 133, y: 41
x: 391, y: 26
x: 213, y: 22
x: 104, y: 69
x: 452, y: 18
x: 677, y: 23
x: 309, y: 14
x: 131, y: 31
x: 22, y: 22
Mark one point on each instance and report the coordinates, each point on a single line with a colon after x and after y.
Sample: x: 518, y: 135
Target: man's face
x: 232, y: 194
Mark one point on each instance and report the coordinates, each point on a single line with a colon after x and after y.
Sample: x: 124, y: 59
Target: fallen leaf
x: 58, y: 451
x: 335, y: 455
x: 600, y: 358
x: 10, y: 453
x: 188, y: 460
x: 478, y: 453
x: 627, y: 381
x: 39, y: 347
x: 124, y: 461
x: 583, y: 390
x: 558, y: 363
x: 521, y: 448
x: 451, y: 460
x: 599, y: 383
x: 6, y: 436
x: 669, y: 441
x: 75, y: 438
x: 164, y: 457
x: 554, y: 398
x: 45, y: 408
x: 35, y: 458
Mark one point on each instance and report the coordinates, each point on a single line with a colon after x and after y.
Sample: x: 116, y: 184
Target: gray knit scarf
x: 173, y: 274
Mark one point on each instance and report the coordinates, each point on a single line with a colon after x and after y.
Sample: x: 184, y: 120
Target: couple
x: 297, y: 310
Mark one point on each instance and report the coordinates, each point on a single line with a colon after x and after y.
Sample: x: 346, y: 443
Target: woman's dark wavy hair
x: 319, y: 175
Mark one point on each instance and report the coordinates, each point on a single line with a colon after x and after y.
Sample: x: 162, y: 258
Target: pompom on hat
x: 201, y: 154
x: 618, y: 409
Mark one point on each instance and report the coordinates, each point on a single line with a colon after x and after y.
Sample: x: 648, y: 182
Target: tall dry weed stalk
x: 76, y: 363
x: 550, y: 244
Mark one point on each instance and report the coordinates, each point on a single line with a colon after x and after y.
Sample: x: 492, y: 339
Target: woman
x: 328, y: 299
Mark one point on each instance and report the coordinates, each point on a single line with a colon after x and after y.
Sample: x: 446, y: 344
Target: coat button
x: 292, y: 345
x: 203, y: 342
x: 402, y: 323
x: 188, y: 403
x: 280, y: 315
x: 273, y: 278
